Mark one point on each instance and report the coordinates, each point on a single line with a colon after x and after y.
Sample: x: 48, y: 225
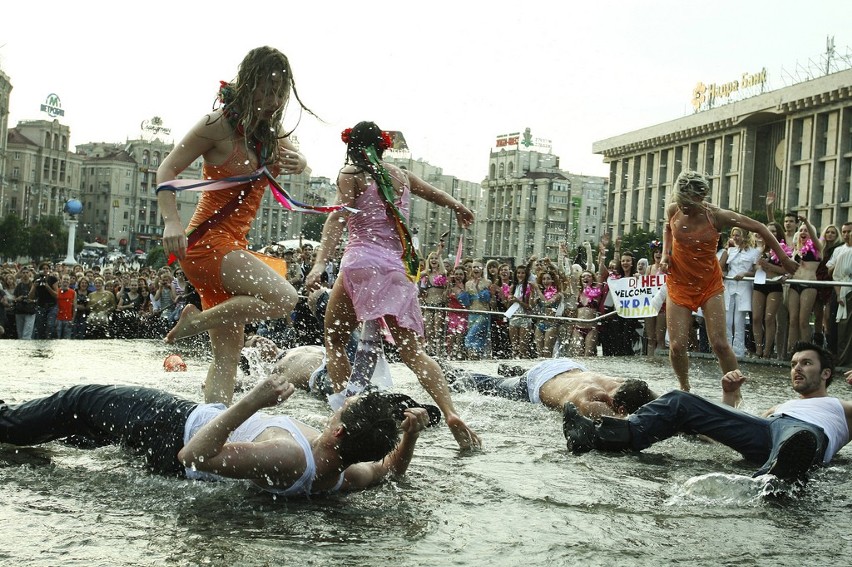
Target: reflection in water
x: 523, y: 500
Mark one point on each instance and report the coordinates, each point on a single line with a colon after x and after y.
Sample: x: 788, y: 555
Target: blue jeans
x: 514, y: 388
x: 26, y: 324
x: 63, y: 329
x: 757, y: 439
x: 146, y: 421
x: 45, y: 321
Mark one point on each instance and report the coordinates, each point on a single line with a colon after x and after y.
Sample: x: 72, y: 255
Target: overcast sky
x: 451, y: 75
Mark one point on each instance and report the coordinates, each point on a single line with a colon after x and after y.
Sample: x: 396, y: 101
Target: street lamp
x: 111, y: 229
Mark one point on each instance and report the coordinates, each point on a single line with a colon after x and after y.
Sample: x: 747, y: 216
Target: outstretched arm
x: 464, y: 216
x: 362, y: 475
x: 332, y: 230
x: 730, y: 218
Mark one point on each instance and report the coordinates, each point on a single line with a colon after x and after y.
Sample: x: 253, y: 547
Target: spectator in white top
x: 738, y: 262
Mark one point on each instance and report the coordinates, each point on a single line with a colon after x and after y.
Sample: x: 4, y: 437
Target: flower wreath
x: 385, y: 143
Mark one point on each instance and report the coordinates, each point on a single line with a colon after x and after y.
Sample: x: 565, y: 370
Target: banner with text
x: 633, y: 297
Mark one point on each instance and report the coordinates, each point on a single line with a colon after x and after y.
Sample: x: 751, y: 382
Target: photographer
x: 44, y: 291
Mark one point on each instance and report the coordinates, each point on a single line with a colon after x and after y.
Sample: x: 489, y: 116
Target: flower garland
x: 550, y: 292
x: 592, y: 292
x: 439, y: 281
x: 506, y: 289
x: 773, y: 257
x: 808, y: 247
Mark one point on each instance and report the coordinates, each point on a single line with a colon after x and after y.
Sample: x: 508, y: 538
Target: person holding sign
x: 694, y: 276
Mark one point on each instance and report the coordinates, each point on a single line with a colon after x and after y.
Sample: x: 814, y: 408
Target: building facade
x: 41, y: 170
x: 530, y: 205
x: 430, y: 221
x: 5, y: 95
x: 795, y: 141
x: 118, y: 190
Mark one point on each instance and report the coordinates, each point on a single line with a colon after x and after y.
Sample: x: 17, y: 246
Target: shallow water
x: 523, y: 500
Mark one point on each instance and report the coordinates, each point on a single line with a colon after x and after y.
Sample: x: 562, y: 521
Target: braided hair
x: 361, y: 138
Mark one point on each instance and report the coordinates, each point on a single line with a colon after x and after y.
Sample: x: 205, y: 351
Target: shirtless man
x: 558, y: 381
x: 359, y: 446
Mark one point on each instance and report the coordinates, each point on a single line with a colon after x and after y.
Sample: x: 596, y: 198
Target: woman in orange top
x: 694, y: 276
x: 236, y: 286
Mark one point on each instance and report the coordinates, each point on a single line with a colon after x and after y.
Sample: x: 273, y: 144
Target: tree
x: 48, y: 238
x: 638, y: 242
x: 14, y: 237
x: 312, y: 227
x: 156, y: 257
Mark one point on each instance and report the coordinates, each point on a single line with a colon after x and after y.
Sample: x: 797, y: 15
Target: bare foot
x: 183, y: 328
x: 464, y: 435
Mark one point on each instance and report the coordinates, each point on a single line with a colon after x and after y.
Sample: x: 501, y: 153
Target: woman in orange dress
x: 236, y: 286
x: 694, y: 276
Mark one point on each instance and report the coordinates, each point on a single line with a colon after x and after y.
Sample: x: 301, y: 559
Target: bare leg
x: 340, y: 321
x: 550, y: 341
x: 259, y: 293
x: 661, y: 330
x: 714, y: 320
x: 432, y: 379
x: 792, y: 318
x: 651, y: 334
x: 679, y: 322
x: 773, y: 304
x: 226, y: 342
x: 806, y: 305
x: 592, y: 343
x: 758, y: 306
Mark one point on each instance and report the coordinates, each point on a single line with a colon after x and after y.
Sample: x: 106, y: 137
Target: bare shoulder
x: 214, y: 126
x: 671, y: 209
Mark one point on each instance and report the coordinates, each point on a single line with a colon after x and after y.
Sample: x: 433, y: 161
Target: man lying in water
x: 558, y: 381
x: 359, y: 446
x: 788, y: 439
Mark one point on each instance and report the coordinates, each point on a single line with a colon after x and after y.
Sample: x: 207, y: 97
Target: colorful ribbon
x: 280, y: 194
x: 410, y: 257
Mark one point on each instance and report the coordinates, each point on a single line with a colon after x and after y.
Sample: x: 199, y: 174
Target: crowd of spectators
x: 58, y: 301
x: 558, y: 307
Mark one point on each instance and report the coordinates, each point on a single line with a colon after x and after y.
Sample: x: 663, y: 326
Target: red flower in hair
x: 386, y: 142
x: 345, y: 135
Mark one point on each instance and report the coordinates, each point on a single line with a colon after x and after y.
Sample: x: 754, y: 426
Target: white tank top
x: 249, y: 430
x: 826, y: 413
x: 544, y: 371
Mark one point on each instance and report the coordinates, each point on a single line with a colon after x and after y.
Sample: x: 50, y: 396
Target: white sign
x: 633, y: 296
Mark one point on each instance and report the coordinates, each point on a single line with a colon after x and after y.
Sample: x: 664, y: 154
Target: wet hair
x: 632, y: 395
x: 690, y: 188
x: 371, y: 429
x: 826, y: 359
x: 258, y: 72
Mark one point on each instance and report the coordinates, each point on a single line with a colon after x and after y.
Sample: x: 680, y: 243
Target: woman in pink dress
x: 375, y: 277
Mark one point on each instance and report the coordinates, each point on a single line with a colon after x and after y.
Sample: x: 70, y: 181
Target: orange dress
x: 203, y: 263
x: 694, y: 272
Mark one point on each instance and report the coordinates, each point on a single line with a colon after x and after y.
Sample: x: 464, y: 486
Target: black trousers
x: 146, y: 421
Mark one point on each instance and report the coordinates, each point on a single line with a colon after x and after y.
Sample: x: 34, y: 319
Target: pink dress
x: 371, y: 269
